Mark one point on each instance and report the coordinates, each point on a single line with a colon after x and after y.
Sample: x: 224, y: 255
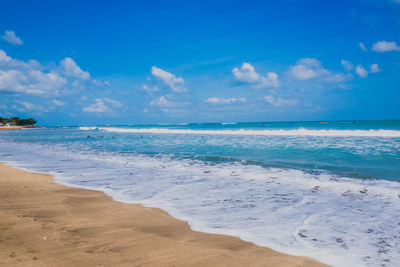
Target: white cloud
x: 277, y: 102
x: 347, y: 65
x: 30, y: 81
x: 149, y: 89
x: 58, y: 103
x: 311, y: 68
x: 97, y: 107
x: 10, y: 37
x: 72, y: 69
x: 307, y: 68
x: 374, y: 68
x: 30, y: 77
x: 361, y: 71
x: 216, y: 100
x: 247, y: 74
x: 114, y: 103
x: 4, y: 57
x: 302, y: 72
x: 99, y: 83
x: 338, y: 78
x: 175, y: 83
x: 162, y: 101
x: 384, y: 46
x: 362, y: 46
x: 167, y: 105
x: 24, y: 106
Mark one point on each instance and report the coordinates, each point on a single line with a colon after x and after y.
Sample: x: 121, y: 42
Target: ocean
x: 328, y: 190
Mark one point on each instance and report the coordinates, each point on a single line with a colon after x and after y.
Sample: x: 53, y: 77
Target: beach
x: 47, y: 224
x: 12, y: 127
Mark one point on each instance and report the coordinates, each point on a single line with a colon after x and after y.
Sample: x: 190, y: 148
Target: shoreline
x: 12, y: 127
x: 45, y: 223
x: 18, y: 127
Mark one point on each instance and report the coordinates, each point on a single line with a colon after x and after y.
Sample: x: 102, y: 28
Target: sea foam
x: 280, y: 132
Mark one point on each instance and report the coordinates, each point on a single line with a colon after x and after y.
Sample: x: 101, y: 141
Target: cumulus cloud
x: 10, y: 37
x: 347, y: 65
x: 97, y: 107
x: 307, y: 68
x: 175, y: 83
x: 31, y: 77
x: 302, y: 72
x: 247, y: 74
x: 374, y: 68
x: 162, y: 101
x: 216, y: 100
x: 277, y: 102
x: 4, y: 57
x: 362, y: 46
x: 72, y: 69
x: 384, y: 46
x: 311, y: 68
x: 112, y: 102
x: 361, y: 71
x: 100, y: 105
x: 30, y: 81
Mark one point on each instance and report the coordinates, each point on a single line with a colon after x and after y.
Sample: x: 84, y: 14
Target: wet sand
x: 47, y: 224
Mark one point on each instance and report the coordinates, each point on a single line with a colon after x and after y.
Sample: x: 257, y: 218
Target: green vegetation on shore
x: 15, y: 121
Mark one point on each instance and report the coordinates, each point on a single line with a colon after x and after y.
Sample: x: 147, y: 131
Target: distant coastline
x: 18, y: 127
x: 16, y: 123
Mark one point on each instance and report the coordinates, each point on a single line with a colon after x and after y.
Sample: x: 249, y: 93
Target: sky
x: 130, y: 62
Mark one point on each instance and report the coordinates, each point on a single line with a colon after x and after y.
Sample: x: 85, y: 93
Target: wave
x: 87, y: 128
x: 280, y: 132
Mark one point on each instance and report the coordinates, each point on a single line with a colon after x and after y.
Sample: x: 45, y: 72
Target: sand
x: 12, y: 127
x: 47, y: 224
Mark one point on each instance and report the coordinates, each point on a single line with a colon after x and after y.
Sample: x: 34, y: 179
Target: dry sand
x: 48, y: 224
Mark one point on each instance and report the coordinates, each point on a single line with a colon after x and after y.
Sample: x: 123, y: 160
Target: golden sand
x: 47, y: 224
x: 12, y: 127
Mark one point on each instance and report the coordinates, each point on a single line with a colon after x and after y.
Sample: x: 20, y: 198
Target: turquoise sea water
x: 328, y: 190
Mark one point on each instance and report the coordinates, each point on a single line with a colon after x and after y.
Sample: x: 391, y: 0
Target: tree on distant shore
x: 18, y: 121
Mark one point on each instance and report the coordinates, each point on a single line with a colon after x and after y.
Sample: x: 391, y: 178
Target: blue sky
x: 118, y: 62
